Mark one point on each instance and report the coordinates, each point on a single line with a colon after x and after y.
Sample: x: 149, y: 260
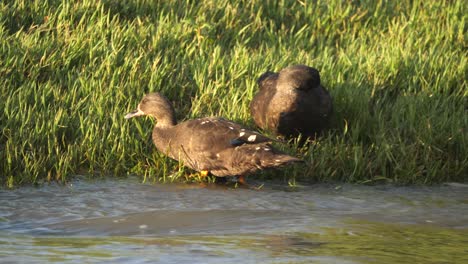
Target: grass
x: 70, y: 70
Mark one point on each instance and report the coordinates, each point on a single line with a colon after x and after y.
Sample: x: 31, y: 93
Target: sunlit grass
x: 70, y: 70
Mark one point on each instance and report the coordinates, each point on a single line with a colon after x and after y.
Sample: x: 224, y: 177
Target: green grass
x: 70, y: 71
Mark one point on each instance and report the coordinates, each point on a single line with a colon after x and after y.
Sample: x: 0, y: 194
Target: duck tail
x: 280, y: 160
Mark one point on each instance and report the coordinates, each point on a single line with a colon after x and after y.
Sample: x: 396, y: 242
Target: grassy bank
x: 70, y: 70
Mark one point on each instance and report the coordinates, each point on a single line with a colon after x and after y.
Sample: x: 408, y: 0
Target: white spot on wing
x: 278, y: 160
x: 241, y: 134
x: 267, y: 149
x: 217, y: 155
x: 252, y: 138
x: 257, y: 148
x: 231, y: 127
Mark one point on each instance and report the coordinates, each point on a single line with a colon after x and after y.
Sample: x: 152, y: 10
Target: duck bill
x: 137, y: 112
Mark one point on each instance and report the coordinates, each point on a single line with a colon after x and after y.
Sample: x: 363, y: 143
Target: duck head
x: 155, y: 105
x: 300, y: 77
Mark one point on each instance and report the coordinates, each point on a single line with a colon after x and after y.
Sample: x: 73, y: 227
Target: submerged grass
x: 70, y: 70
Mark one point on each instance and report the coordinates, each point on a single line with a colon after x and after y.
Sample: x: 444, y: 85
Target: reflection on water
x: 128, y: 222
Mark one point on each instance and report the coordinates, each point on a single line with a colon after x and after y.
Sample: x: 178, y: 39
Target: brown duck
x: 209, y: 145
x: 292, y: 102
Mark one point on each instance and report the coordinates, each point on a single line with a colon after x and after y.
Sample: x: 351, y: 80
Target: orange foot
x: 201, y: 175
x: 241, y: 180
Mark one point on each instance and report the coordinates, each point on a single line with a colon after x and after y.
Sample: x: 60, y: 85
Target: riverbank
x: 69, y: 72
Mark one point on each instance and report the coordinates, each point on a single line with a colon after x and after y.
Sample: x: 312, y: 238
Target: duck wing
x: 261, y: 101
x: 202, y: 144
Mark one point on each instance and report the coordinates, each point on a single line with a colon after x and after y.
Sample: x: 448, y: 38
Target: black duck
x: 209, y: 145
x: 292, y: 102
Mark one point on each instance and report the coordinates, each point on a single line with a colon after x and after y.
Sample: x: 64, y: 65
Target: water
x: 124, y: 221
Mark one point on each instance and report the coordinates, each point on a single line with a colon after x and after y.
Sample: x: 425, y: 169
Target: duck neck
x: 167, y: 120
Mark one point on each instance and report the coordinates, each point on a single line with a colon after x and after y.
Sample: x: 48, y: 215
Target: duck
x: 292, y: 102
x: 209, y: 145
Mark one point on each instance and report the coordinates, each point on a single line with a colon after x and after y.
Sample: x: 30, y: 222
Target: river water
x: 125, y: 221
